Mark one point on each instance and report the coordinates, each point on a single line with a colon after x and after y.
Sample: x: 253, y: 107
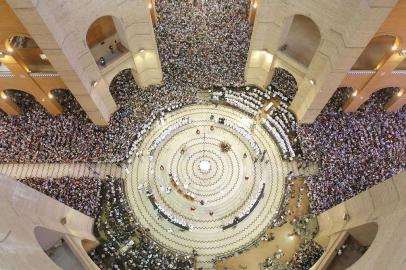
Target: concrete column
x: 77, y: 69
x: 345, y: 31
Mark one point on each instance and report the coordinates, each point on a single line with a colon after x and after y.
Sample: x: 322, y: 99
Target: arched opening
x: 376, y: 102
x: 123, y: 86
x: 53, y: 244
x: 67, y: 100
x: 354, y: 247
x: 375, y: 52
x: 302, y: 38
x: 27, y: 51
x: 106, y: 40
x: 337, y: 101
x: 24, y: 100
x: 285, y: 82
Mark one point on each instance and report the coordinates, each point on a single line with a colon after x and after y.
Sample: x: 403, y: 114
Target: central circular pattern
x: 192, y: 195
x: 204, y: 166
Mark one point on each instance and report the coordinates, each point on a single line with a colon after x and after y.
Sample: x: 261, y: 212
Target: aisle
x: 54, y: 170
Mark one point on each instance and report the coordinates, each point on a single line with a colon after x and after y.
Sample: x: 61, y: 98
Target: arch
x: 27, y: 52
x: 301, y: 39
x: 54, y: 246
x: 106, y: 40
x: 377, y: 50
x: 66, y: 99
x: 379, y: 98
x: 355, y: 246
x: 123, y: 85
x: 285, y: 82
x: 23, y: 99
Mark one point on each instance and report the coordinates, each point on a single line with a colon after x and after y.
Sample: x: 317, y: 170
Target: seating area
x: 124, y: 243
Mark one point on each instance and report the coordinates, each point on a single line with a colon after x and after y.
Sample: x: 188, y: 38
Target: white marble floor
x: 193, y: 155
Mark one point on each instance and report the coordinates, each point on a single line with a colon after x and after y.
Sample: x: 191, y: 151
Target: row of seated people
x: 125, y: 244
x: 279, y: 121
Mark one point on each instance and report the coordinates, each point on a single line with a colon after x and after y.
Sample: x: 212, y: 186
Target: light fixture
x: 149, y: 5
x: 255, y: 4
x: 93, y: 83
x: 141, y: 51
x: 355, y: 93
x: 394, y: 47
x: 50, y: 95
x: 9, y: 49
x: 43, y: 56
x: 312, y: 82
x: 399, y: 93
x: 3, y: 95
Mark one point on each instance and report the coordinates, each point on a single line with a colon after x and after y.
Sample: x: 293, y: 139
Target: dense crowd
x: 306, y: 256
x: 37, y: 136
x: 82, y: 194
x: 354, y: 150
x: 124, y: 243
x: 203, y: 42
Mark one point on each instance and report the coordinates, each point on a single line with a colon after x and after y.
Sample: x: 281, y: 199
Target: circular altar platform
x: 191, y: 193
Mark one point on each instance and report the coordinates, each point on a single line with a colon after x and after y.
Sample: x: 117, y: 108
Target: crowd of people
x: 203, y: 42
x: 82, y: 194
x: 354, y: 150
x: 125, y: 244
x: 306, y: 256
x: 35, y: 136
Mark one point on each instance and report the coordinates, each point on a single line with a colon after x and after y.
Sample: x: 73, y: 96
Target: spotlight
x: 255, y: 5
x: 399, y: 93
x: 50, y: 95
x: 9, y: 49
x: 355, y: 93
x: 394, y: 47
x: 141, y: 51
x: 312, y: 82
x: 149, y: 5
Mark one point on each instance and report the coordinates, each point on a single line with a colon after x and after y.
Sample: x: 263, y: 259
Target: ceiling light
x: 355, y: 93
x: 43, y: 56
x: 3, y: 95
x: 255, y: 5
x: 142, y: 50
x: 50, y: 95
x: 399, y: 93
x: 149, y: 5
x: 9, y: 49
x: 394, y: 47
x: 312, y: 82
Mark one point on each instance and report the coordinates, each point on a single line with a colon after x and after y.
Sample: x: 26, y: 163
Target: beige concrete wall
x: 346, y: 28
x: 23, y: 209
x: 60, y: 27
x: 384, y: 204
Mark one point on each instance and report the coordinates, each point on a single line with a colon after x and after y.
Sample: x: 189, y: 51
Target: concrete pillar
x: 345, y: 31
